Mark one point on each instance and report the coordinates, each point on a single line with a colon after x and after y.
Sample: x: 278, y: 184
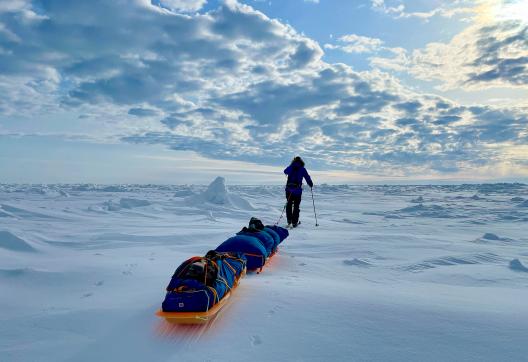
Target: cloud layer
x: 484, y: 55
x: 397, y: 9
x: 234, y: 84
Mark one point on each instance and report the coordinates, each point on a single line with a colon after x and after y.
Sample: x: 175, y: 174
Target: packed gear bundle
x: 257, y: 242
x: 201, y: 285
x: 201, y: 282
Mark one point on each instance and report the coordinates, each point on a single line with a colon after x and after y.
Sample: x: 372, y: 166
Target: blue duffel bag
x: 201, y: 282
x: 274, y: 235
x: 250, y: 246
x: 282, y: 232
x: 265, y: 238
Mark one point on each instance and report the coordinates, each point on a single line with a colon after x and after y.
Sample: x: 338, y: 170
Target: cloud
x: 409, y: 107
x: 183, y: 5
x: 353, y: 43
x: 397, y: 10
x: 480, y: 56
x: 233, y: 84
x: 502, y: 55
x: 399, y: 62
x: 143, y: 112
x: 491, y: 52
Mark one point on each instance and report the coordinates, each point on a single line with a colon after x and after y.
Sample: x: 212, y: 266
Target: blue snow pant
x: 292, y: 206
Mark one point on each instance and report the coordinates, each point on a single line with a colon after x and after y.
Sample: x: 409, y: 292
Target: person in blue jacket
x: 296, y: 172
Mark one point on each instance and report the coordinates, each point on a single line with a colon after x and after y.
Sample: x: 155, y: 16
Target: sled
x: 199, y: 317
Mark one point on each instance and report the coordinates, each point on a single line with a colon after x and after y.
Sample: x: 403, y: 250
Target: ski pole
x: 313, y: 202
x: 284, y: 208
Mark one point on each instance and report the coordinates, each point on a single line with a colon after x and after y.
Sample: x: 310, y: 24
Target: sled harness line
x: 284, y: 208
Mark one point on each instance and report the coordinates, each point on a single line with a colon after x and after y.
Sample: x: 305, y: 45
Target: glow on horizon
x: 491, y: 10
x: 515, y: 11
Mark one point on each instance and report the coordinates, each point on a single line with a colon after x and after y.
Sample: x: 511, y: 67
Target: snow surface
x: 12, y: 242
x: 218, y: 194
x: 395, y: 273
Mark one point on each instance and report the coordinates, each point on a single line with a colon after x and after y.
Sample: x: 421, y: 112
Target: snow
x: 393, y: 273
x: 523, y: 204
x: 418, y: 200
x: 490, y: 236
x: 64, y: 193
x: 516, y: 265
x: 12, y: 242
x: 218, y: 194
x: 356, y: 262
x: 130, y: 203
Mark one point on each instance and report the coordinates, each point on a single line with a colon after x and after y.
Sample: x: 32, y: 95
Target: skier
x: 296, y: 172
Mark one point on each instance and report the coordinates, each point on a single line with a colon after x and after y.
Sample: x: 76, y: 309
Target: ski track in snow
x: 406, y: 273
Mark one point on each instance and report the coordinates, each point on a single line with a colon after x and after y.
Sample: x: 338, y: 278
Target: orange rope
x: 205, y: 271
x: 215, y: 294
x: 229, y: 265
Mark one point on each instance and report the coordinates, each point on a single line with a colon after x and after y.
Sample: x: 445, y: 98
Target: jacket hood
x: 297, y: 162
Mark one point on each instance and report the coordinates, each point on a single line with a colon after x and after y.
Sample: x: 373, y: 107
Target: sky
x: 181, y: 91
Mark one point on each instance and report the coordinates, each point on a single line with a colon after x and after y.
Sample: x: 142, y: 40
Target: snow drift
x: 516, y: 265
x: 217, y: 194
x: 523, y: 204
x: 129, y: 203
x: 125, y: 203
x: 12, y: 242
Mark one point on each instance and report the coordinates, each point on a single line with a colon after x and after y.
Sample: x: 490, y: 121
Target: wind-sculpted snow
x: 523, y: 204
x: 472, y: 259
x: 517, y: 265
x: 101, y: 188
x: 432, y: 269
x: 4, y: 213
x: 421, y: 210
x: 472, y: 209
x: 426, y: 210
x: 30, y: 276
x: 183, y: 193
x: 217, y: 194
x: 23, y: 213
x: 356, y: 262
x: 12, y: 242
x: 129, y: 203
x: 501, y: 188
x: 418, y: 200
x: 490, y: 236
x: 493, y: 238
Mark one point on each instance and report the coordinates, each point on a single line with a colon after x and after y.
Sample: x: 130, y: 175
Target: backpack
x: 255, y: 224
x: 203, y: 270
